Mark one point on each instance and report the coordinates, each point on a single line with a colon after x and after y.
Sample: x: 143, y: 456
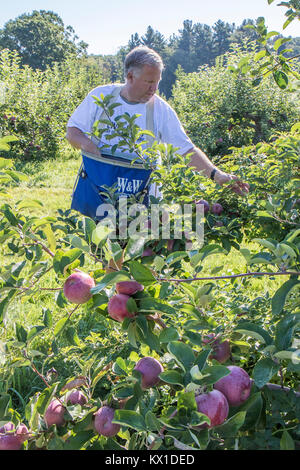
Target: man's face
x: 143, y: 83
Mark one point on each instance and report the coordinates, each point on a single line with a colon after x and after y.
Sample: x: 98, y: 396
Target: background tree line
x: 42, y: 39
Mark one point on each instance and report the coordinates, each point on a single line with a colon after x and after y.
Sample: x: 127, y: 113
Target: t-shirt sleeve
x: 84, y: 115
x: 172, y: 131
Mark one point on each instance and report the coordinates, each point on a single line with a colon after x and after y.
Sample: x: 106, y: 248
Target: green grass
x: 49, y: 181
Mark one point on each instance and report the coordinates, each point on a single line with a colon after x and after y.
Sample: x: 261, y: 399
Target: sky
x: 106, y: 25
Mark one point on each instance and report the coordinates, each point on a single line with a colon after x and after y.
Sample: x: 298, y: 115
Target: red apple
x: 8, y: 427
x: 55, y: 413
x: 12, y: 438
x: 217, y: 208
x: 147, y: 252
x: 215, y: 406
x: 236, y: 386
x: 117, y: 307
x: 77, y: 287
x: 150, y: 369
x: 103, y: 422
x: 170, y: 244
x: 205, y: 204
x: 209, y: 338
x: 128, y: 287
x: 221, y: 349
x: 77, y: 397
x: 22, y: 432
x: 10, y: 442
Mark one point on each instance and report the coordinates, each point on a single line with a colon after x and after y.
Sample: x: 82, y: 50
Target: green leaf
x: 62, y: 260
x: 131, y: 419
x: 171, y: 377
x: 5, y: 404
x: 88, y: 228
x: 5, y: 303
x: 284, y: 331
x: 21, y: 333
x: 255, y: 331
x: 168, y: 334
x: 281, y: 79
x: 29, y: 203
x: 100, y: 233
x: 131, y: 331
x: 110, y: 279
x: 279, y: 42
x: 264, y: 370
x: 141, y: 323
x: 34, y: 331
x: 182, y: 353
x: 72, y: 336
x: 44, y: 398
x: 119, y: 366
x: 47, y: 318
x: 78, y: 242
x: 231, y: 426
x: 286, y: 441
x: 4, y: 163
x: 134, y: 248
x: 176, y: 256
x: 198, y: 418
x: 209, y: 375
x: 141, y: 273
x: 281, y: 294
x: 186, y: 400
x: 149, y: 304
x: 77, y: 441
x: 152, y: 422
x: 60, y: 325
x: 202, y: 358
x: 253, y: 407
x: 194, y: 338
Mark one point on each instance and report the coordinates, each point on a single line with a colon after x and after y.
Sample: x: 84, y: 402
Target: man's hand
x: 238, y: 186
x: 80, y: 141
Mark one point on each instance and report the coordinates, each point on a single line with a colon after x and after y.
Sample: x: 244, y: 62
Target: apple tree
x: 140, y: 349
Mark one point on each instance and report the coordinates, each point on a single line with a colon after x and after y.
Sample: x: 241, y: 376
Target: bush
x: 220, y: 109
x: 37, y: 105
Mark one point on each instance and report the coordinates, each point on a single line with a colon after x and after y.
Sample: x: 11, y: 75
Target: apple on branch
x: 77, y: 287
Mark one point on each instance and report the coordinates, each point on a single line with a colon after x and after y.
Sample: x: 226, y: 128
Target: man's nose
x: 153, y: 87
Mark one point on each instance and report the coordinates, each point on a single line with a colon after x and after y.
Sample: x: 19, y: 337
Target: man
x: 143, y: 68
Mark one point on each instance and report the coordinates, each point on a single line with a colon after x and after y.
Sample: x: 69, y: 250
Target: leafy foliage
x: 220, y: 109
x: 41, y: 39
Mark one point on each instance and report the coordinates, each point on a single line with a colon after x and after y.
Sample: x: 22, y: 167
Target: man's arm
x: 203, y: 164
x: 80, y: 141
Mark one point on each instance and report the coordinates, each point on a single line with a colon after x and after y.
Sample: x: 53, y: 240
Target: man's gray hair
x: 140, y: 56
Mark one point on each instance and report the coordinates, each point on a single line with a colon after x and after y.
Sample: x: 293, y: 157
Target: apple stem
x: 162, y: 430
x: 156, y: 318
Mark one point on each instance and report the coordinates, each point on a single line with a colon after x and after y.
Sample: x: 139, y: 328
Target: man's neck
x: 127, y: 96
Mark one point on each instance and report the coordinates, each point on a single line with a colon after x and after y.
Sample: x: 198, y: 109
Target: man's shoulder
x: 106, y: 89
x: 162, y: 105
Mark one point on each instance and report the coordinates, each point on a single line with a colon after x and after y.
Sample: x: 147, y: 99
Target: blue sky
x: 107, y: 25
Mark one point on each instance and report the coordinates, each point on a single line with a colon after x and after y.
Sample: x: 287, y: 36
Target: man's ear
x: 130, y: 76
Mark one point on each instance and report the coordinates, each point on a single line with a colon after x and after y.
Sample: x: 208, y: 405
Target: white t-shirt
x: 167, y: 127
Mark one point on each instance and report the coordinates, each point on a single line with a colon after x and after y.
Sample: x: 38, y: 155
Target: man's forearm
x: 201, y: 162
x: 80, y: 141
